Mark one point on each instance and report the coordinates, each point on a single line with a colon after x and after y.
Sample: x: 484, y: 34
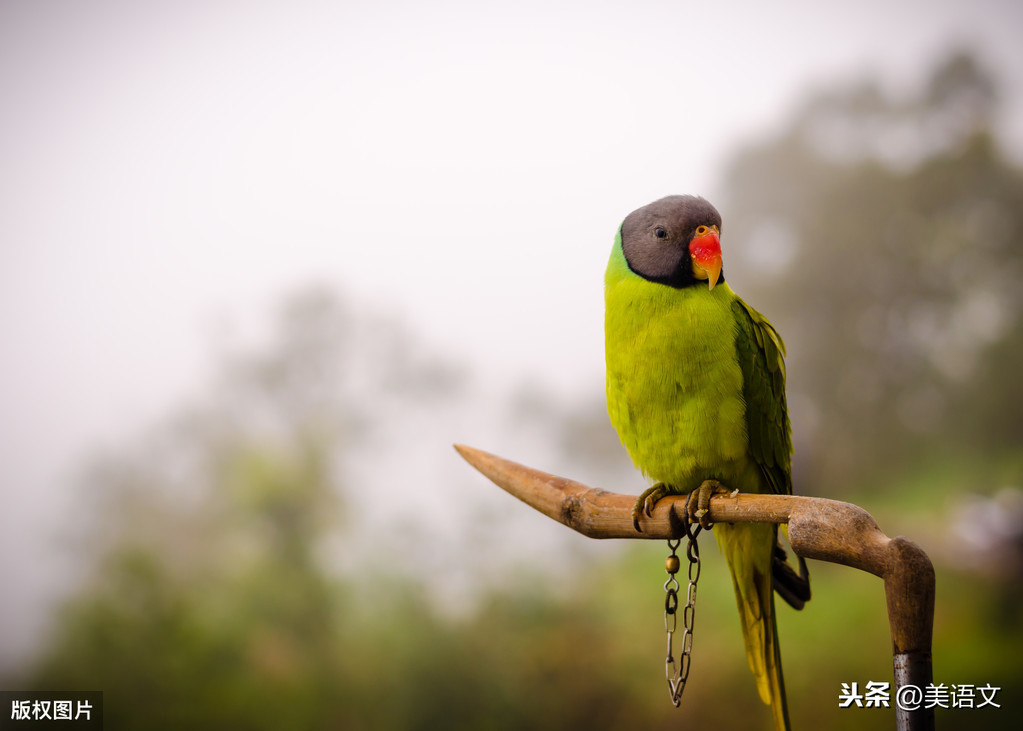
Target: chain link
x: 678, y: 673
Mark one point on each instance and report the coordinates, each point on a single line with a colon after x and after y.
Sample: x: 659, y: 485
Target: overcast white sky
x: 169, y: 170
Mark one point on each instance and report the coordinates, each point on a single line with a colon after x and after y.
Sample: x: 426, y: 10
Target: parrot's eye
x: 701, y: 230
x: 660, y: 233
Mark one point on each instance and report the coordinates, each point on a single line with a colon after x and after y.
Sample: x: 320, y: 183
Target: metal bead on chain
x: 678, y: 673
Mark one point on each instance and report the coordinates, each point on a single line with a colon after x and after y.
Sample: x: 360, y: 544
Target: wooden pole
x: 828, y: 530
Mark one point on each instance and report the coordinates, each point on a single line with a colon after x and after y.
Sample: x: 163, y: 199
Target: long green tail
x: 748, y: 549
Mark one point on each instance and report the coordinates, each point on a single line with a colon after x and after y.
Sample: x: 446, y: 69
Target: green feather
x: 760, y: 351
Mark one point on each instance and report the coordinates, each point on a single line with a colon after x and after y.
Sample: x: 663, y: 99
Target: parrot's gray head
x: 674, y: 241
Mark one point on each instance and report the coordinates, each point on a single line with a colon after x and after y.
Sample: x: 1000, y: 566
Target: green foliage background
x: 884, y: 239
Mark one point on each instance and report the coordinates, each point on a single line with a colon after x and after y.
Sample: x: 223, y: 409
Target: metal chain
x: 677, y: 674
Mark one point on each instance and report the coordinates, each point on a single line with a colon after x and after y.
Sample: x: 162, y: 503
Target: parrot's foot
x: 793, y: 587
x: 645, y: 502
x: 698, y: 502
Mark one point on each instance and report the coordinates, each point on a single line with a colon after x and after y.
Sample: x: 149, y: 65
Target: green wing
x: 761, y: 354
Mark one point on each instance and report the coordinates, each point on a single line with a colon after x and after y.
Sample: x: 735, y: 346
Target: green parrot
x: 696, y: 391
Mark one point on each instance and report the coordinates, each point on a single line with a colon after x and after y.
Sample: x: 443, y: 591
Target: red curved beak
x: 706, y: 253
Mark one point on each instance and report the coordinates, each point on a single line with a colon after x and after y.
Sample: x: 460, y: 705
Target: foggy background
x: 260, y: 265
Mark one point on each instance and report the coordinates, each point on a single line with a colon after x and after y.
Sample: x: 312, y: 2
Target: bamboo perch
x: 828, y: 530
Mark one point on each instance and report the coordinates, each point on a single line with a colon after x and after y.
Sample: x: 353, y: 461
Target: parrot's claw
x: 645, y: 503
x: 698, y: 502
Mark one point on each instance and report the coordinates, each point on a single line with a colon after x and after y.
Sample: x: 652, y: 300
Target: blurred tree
x: 210, y: 604
x: 882, y: 238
